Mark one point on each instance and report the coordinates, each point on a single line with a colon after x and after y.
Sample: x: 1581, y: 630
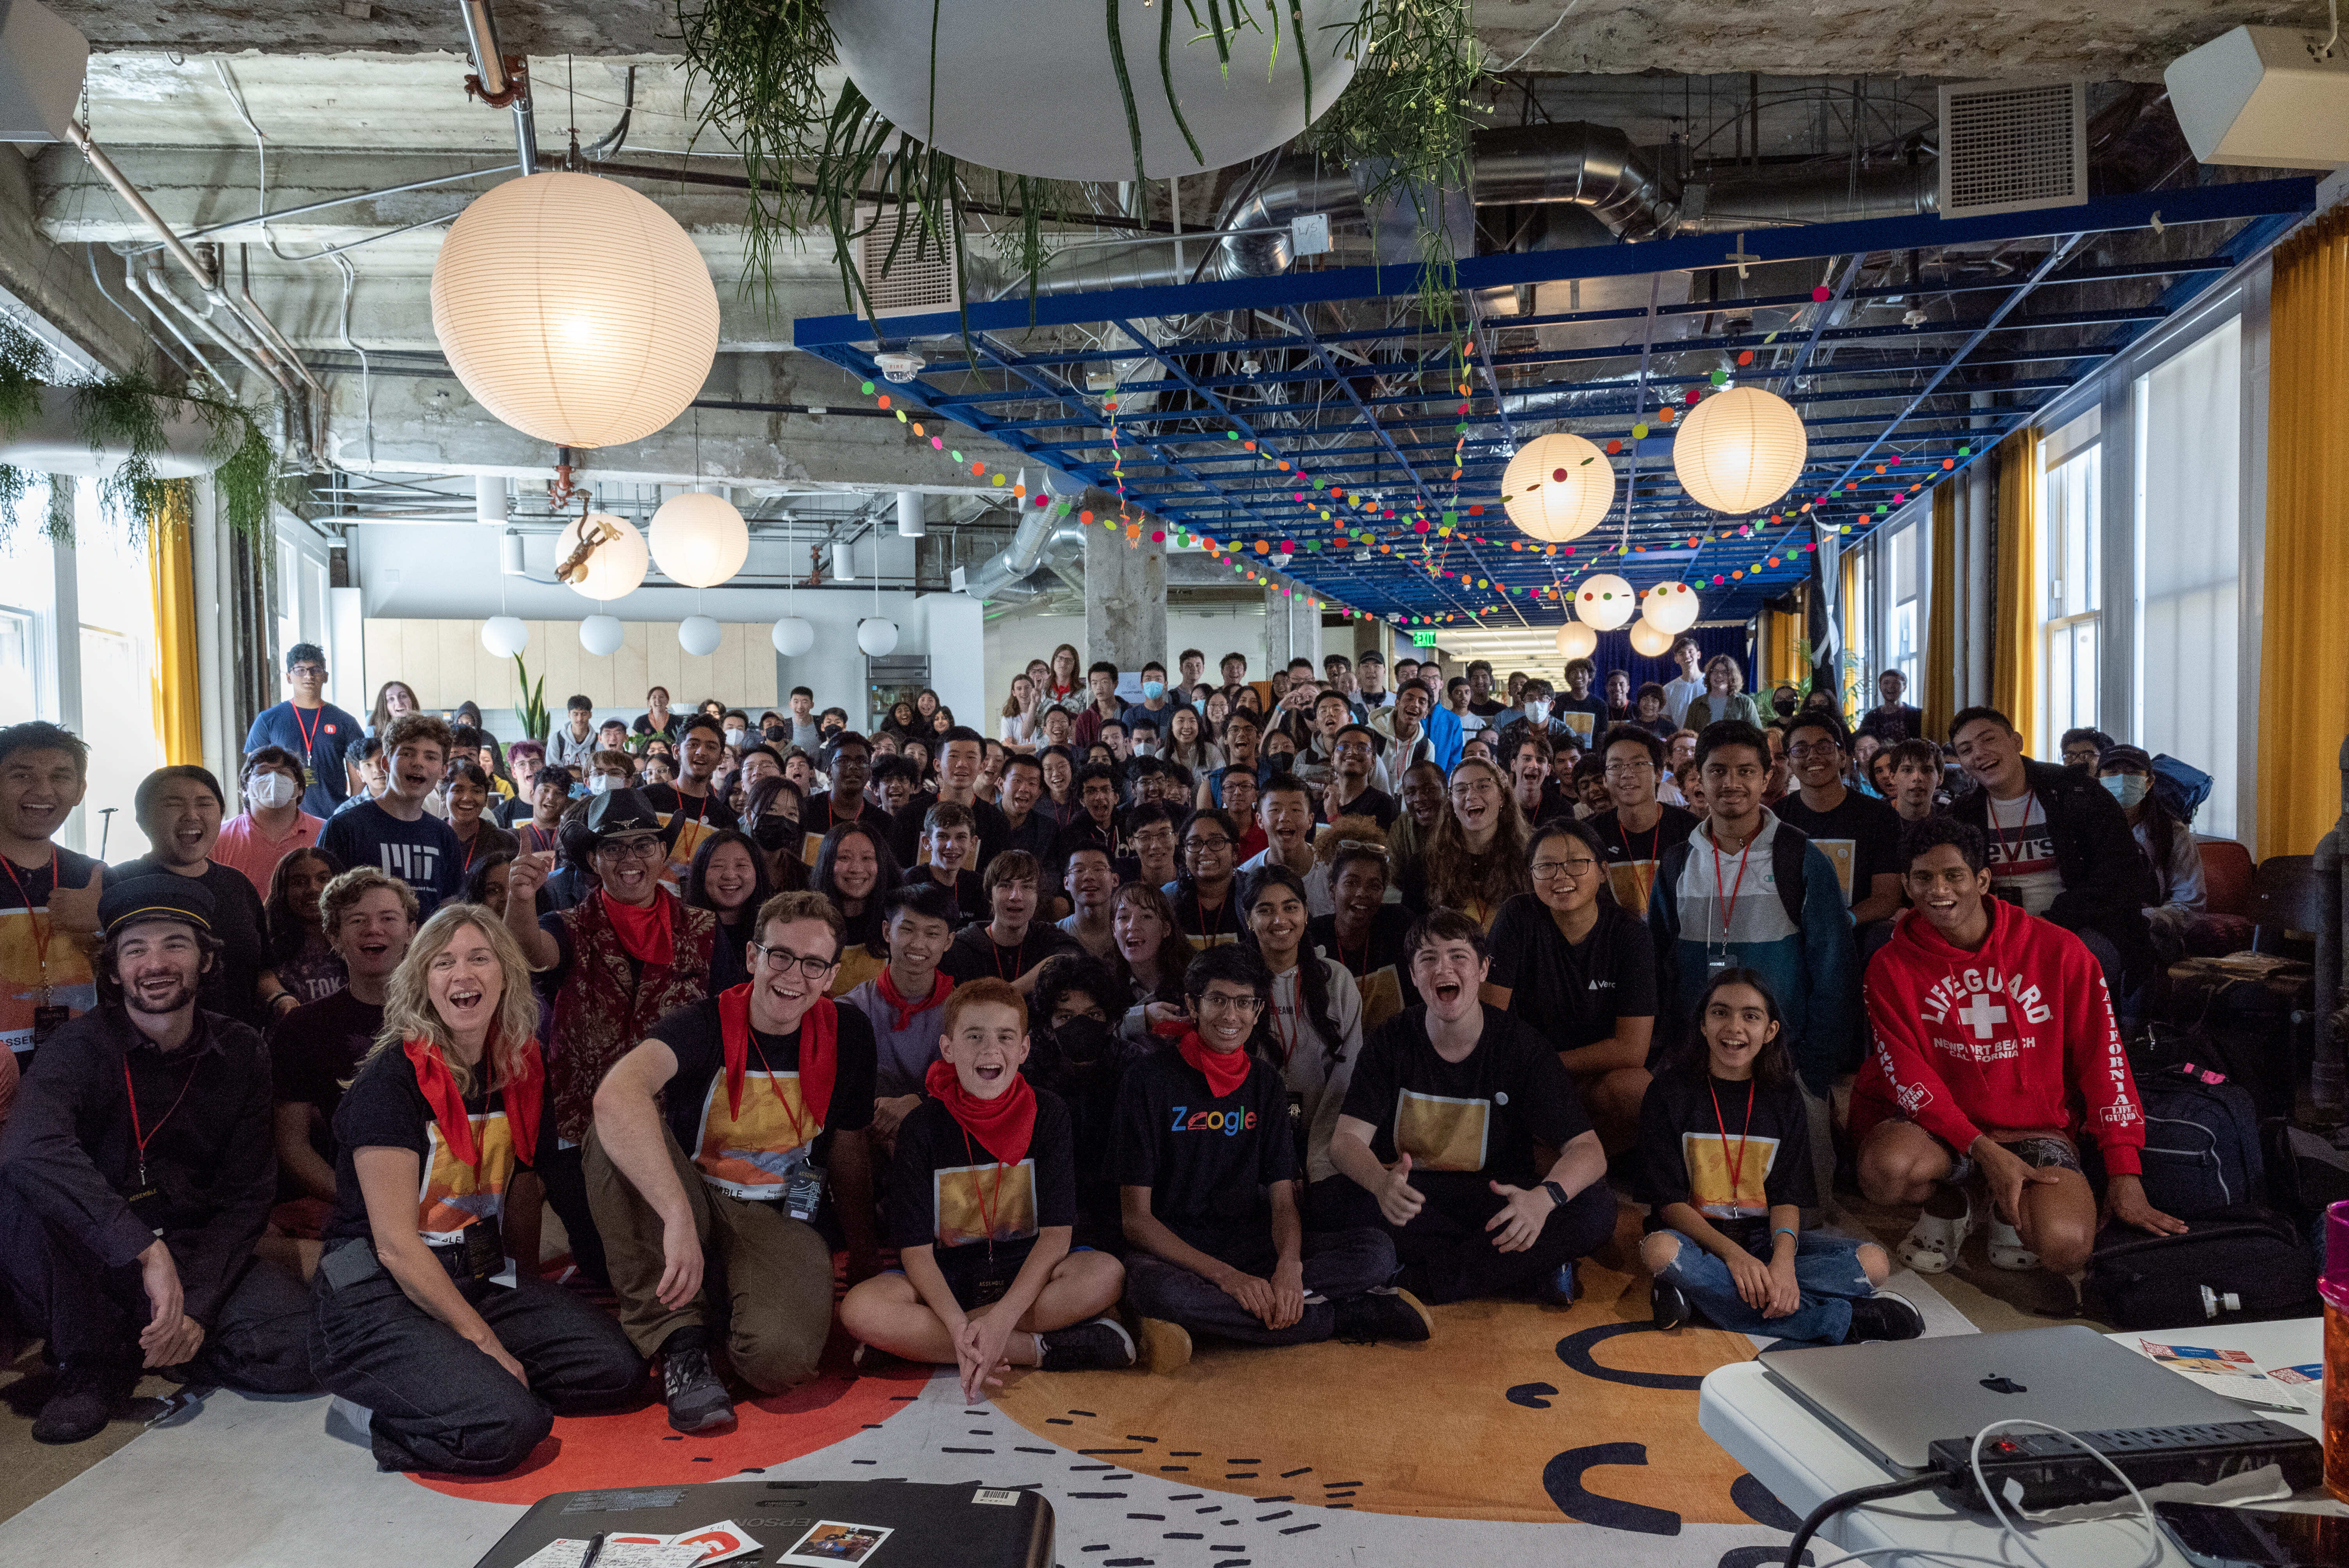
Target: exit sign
x: 1423, y: 639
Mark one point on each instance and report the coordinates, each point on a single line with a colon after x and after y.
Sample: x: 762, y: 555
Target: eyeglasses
x: 1471, y: 791
x: 1217, y: 1004
x: 308, y: 672
x: 782, y: 958
x: 1216, y: 842
x: 1815, y: 748
x: 648, y: 848
x: 1619, y: 770
x: 1550, y: 870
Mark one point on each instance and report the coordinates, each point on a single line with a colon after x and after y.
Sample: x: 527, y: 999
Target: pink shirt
x: 243, y: 844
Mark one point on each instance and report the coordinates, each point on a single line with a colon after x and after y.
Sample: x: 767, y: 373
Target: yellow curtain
x: 179, y: 709
x: 2014, y: 639
x: 2304, y: 635
x: 1940, y: 698
x: 1785, y: 664
x: 1851, y: 632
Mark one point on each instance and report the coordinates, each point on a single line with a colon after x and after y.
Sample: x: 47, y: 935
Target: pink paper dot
x: 1820, y: 295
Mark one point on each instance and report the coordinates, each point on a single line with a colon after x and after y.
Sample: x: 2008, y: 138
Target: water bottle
x: 2334, y: 1288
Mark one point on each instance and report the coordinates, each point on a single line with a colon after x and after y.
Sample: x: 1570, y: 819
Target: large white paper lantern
x: 1577, y: 641
x: 698, y: 539
x: 617, y: 567
x: 793, y: 636
x: 1605, y: 601
x: 959, y: 76
x: 876, y: 636
x: 1558, y: 487
x: 1670, y: 607
x: 504, y: 635
x: 1649, y: 640
x: 698, y: 635
x: 1739, y: 451
x: 602, y: 635
x: 575, y: 309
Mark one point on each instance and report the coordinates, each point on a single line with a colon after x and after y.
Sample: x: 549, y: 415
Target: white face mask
x: 735, y: 736
x: 272, y: 791
x: 1537, y: 710
x: 601, y: 784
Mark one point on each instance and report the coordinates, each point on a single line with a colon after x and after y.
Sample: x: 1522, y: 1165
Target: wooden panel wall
x: 445, y: 661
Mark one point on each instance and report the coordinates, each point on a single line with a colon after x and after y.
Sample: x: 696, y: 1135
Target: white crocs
x: 2007, y: 1251
x: 1932, y: 1243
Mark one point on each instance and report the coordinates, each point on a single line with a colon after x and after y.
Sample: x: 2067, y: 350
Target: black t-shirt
x: 240, y: 921
x: 1373, y: 802
x: 1207, y: 1161
x: 1468, y: 1122
x: 905, y: 831
x: 384, y: 1108
x: 24, y: 921
x: 751, y: 1152
x: 1379, y: 963
x: 1903, y: 723
x: 1202, y: 923
x: 947, y: 1192
x: 1587, y: 720
x: 1684, y: 1159
x: 424, y: 853
x: 1631, y: 857
x: 1861, y: 838
x: 315, y: 1048
x: 1572, y: 993
x: 969, y: 890
x: 709, y: 811
x: 973, y: 955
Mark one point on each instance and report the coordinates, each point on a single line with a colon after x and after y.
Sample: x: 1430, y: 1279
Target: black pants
x: 564, y: 1171
x: 1448, y: 1254
x: 92, y: 1314
x: 439, y: 1403
x: 1338, y: 1267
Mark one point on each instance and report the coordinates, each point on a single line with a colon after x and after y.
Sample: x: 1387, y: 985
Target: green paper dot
x: 868, y: 389
x: 1719, y: 377
x: 956, y: 455
x: 1231, y: 435
x: 1965, y: 451
x: 1450, y: 518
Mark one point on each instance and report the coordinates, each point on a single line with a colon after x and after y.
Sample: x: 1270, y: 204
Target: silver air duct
x: 1045, y: 545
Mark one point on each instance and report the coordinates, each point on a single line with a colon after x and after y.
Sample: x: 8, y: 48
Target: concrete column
x: 1293, y: 630
x: 1125, y: 600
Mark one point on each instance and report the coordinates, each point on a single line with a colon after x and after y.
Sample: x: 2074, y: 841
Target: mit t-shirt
x: 314, y: 1049
x: 1468, y: 1122
x: 1208, y: 1162
x: 1731, y: 1170
x: 751, y: 1151
x: 425, y: 854
x: 28, y: 935
x: 1572, y: 993
x: 1861, y: 838
x: 240, y: 922
x: 384, y: 1108
x: 318, y: 736
x: 1631, y: 857
x: 980, y: 1218
x: 2023, y: 853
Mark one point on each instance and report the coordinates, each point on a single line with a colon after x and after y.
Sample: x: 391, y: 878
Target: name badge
x: 802, y: 1193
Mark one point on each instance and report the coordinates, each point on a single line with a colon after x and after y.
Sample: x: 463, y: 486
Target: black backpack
x: 2239, y: 1266
x: 2201, y: 1142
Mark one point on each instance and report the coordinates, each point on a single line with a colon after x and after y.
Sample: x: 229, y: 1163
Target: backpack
x: 2201, y: 1142
x: 2180, y: 787
x: 2239, y: 1265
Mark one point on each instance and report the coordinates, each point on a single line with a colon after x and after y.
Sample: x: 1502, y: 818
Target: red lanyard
x: 309, y: 731
x: 995, y: 948
x: 40, y: 928
x: 799, y: 1132
x: 1728, y: 903
x: 1199, y: 908
x: 1364, y: 973
x: 143, y: 1137
x: 471, y: 845
x: 2008, y: 847
x: 537, y: 837
x: 988, y: 1203
x: 1736, y: 1165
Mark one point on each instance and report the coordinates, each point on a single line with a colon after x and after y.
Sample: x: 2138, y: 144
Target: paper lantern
x: 1649, y: 640
x: 1741, y: 450
x: 1577, y: 641
x: 616, y: 567
x: 504, y: 635
x: 698, y: 635
x: 793, y: 636
x: 1558, y: 487
x: 1605, y: 601
x: 876, y: 636
x: 698, y: 539
x: 575, y: 309
x: 602, y: 635
x: 1670, y: 607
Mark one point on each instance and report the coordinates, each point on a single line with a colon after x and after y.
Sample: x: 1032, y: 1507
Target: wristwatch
x: 1557, y: 1194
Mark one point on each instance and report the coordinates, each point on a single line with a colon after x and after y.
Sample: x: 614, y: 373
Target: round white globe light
x: 575, y: 309
x: 1649, y: 640
x: 698, y: 539
x: 793, y: 636
x: 1577, y: 641
x: 602, y: 635
x: 504, y: 635
x: 1739, y: 451
x: 876, y: 636
x: 698, y: 635
x: 616, y: 567
x: 1605, y: 601
x: 1670, y: 607
x: 1558, y: 487
x: 888, y: 50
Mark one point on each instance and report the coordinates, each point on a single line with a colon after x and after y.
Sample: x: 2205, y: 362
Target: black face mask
x: 774, y: 831
x: 1083, y: 1042
x: 776, y: 733
x: 1784, y: 705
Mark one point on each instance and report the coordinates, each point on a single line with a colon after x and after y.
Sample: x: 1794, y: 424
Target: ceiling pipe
x: 501, y: 80
x: 1044, y: 539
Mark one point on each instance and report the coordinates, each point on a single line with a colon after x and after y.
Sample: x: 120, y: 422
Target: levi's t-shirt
x: 979, y: 1217
x: 2023, y: 853
x: 384, y: 1108
x: 751, y: 1152
x: 1468, y: 1122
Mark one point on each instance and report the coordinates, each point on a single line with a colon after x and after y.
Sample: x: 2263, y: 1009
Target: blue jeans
x: 1826, y: 1269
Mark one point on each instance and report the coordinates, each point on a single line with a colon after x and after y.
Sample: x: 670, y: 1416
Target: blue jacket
x: 1443, y: 731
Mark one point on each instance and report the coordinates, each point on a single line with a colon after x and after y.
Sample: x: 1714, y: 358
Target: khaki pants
x: 772, y: 1273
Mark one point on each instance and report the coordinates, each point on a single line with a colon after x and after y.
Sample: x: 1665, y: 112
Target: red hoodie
x: 2016, y: 1035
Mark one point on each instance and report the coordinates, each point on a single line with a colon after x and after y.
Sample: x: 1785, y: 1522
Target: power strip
x: 2052, y: 1471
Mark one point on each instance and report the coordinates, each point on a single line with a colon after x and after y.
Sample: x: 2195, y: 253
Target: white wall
x: 1013, y: 640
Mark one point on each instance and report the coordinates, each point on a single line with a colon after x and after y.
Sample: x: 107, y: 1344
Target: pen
x: 595, y: 1550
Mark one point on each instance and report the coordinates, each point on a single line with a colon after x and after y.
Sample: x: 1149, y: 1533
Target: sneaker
x: 1165, y: 1346
x: 697, y: 1399
x: 1100, y: 1345
x: 76, y: 1412
x: 350, y: 1422
x: 1558, y: 1289
x: 1669, y: 1304
x: 1384, y: 1314
x: 1884, y: 1317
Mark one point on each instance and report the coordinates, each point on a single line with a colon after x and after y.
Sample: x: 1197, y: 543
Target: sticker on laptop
x: 999, y: 1497
x: 831, y: 1542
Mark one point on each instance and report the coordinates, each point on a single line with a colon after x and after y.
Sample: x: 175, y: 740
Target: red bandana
x: 520, y: 1098
x: 819, y: 1034
x: 648, y: 934
x: 1003, y: 1125
x: 1224, y: 1070
x: 941, y: 982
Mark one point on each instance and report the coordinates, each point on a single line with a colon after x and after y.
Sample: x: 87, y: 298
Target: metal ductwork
x: 1589, y: 166
x: 1807, y: 193
x: 1044, y: 548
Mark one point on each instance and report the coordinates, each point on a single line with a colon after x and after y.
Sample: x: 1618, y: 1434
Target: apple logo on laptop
x: 2003, y: 1385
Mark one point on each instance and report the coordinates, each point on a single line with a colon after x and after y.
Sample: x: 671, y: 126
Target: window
x: 16, y: 667
x: 2071, y: 567
x: 119, y: 671
x: 1905, y: 649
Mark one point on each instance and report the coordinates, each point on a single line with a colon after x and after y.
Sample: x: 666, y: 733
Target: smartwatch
x: 1557, y: 1194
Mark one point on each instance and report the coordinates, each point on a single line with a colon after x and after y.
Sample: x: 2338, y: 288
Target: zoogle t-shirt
x: 1209, y: 1160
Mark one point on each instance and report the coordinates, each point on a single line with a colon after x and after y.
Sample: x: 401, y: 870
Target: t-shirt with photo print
x: 979, y: 1217
x: 1699, y: 1145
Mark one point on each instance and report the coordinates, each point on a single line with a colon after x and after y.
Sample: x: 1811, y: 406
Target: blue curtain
x: 1615, y: 653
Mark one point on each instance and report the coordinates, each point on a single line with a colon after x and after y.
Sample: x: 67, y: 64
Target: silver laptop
x: 1894, y: 1400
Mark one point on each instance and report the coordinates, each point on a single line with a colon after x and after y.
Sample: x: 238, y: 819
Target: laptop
x: 1893, y: 1400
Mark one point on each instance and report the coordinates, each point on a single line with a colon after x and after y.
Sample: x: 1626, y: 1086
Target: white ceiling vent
x: 2009, y: 147
x: 921, y: 275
